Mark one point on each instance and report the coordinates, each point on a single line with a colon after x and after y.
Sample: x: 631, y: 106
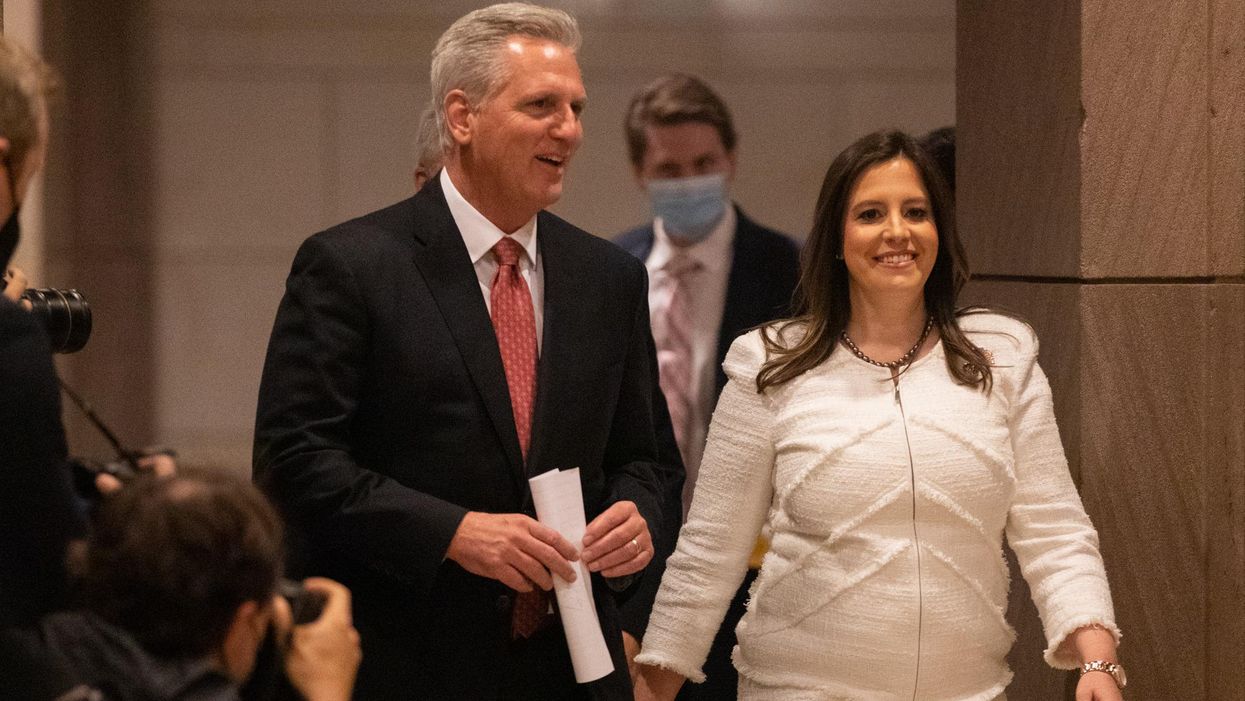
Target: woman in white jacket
x: 887, y: 441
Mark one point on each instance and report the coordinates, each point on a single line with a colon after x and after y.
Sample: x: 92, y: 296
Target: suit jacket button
x: 503, y: 603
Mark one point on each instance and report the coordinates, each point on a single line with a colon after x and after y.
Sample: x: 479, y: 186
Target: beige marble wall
x: 260, y: 123
x: 1102, y: 181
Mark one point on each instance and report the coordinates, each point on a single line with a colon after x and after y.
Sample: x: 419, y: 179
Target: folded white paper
x: 559, y: 503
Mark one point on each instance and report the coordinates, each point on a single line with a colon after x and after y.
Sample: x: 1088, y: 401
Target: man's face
x: 682, y: 151
x: 520, y: 141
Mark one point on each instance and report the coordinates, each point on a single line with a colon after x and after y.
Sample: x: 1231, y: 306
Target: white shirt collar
x: 712, y: 253
x: 480, y: 234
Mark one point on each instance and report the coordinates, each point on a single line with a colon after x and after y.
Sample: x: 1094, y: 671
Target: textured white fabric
x: 885, y: 578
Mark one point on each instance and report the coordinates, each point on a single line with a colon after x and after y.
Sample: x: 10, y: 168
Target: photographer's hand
x: 15, y: 284
x: 160, y: 463
x: 323, y: 655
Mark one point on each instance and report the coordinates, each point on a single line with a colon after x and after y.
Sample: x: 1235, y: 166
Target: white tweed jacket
x: 887, y: 509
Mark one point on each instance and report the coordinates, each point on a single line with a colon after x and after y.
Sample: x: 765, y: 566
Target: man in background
x: 714, y: 274
x: 940, y: 145
x: 427, y: 148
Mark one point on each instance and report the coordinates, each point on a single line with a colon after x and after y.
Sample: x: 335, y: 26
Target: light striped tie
x: 672, y: 333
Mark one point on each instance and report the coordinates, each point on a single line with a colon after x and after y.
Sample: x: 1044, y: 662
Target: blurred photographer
x: 40, y: 516
x: 180, y: 592
x: 38, y: 512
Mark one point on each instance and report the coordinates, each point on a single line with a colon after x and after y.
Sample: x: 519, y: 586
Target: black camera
x: 305, y: 605
x: 84, y: 471
x: 65, y: 315
x: 268, y: 681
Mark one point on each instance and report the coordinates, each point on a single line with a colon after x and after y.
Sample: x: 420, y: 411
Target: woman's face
x: 890, y: 241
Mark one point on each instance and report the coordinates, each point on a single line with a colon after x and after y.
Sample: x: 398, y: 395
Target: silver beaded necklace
x: 903, y: 360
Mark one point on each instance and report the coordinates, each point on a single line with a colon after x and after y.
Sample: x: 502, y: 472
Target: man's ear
x: 458, y: 117
x: 242, y: 640
x: 5, y: 145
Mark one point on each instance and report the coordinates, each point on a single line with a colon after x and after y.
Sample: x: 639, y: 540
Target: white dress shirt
x: 480, y: 235
x: 706, y: 293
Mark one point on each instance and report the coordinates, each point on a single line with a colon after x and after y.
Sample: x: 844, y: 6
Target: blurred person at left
x: 40, y: 514
x: 38, y: 511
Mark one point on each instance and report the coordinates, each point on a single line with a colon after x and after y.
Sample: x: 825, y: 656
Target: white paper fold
x: 559, y: 503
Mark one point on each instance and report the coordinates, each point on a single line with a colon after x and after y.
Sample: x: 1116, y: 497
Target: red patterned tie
x: 514, y: 322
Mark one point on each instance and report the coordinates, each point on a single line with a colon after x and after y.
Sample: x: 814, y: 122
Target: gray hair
x: 468, y: 55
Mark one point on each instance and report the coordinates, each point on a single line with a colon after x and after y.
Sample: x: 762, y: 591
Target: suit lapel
x: 644, y: 245
x: 443, y: 261
x: 563, y: 321
x: 742, y: 300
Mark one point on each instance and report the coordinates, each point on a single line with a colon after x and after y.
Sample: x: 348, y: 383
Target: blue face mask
x: 689, y: 207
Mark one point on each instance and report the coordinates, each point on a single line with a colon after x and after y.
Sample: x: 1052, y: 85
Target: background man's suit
x: 384, y: 417
x: 764, y: 270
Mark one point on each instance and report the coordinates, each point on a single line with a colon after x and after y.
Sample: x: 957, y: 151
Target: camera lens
x: 65, y: 315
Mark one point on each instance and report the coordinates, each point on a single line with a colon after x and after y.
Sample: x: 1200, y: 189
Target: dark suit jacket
x: 384, y: 417
x: 38, y: 509
x: 765, y: 267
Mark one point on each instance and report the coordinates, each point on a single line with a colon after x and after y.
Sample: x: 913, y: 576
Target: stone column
x: 1102, y: 195
x: 100, y: 181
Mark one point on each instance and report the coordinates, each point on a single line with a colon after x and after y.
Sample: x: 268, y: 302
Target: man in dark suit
x: 715, y: 273
x: 428, y: 358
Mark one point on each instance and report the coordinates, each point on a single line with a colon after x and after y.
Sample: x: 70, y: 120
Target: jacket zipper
x: 916, y: 543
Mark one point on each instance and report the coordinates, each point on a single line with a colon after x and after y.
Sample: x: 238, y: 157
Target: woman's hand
x: 657, y: 684
x: 1097, y: 686
x: 631, y: 648
x: 1093, y: 642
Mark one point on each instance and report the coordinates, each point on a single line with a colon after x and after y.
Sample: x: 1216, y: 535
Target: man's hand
x: 617, y: 543
x: 514, y: 549
x: 323, y: 655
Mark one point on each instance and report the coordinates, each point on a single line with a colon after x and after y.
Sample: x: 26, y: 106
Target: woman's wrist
x: 1093, y: 642
x: 663, y: 682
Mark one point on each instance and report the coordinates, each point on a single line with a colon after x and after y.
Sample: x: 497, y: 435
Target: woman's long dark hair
x: 823, y: 304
